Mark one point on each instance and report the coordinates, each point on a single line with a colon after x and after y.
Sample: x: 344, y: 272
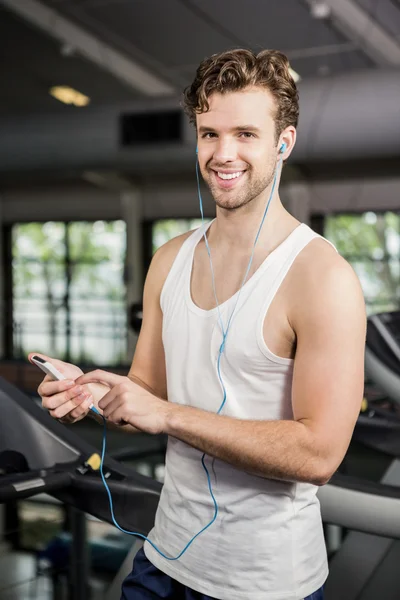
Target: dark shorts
x: 146, y: 581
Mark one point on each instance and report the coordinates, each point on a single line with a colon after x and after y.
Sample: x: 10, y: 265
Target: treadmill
x: 366, y: 566
x: 45, y: 456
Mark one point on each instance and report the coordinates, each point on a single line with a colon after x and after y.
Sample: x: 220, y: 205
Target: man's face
x: 237, y: 150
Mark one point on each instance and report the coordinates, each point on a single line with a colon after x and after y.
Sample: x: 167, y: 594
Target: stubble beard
x: 235, y: 200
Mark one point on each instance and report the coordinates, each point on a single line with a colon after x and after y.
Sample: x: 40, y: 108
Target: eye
x: 247, y: 134
x: 208, y: 135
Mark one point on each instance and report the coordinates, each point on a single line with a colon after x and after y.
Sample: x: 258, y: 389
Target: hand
x: 127, y: 402
x: 64, y: 400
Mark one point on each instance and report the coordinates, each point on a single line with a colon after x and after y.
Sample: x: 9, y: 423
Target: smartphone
x: 50, y: 369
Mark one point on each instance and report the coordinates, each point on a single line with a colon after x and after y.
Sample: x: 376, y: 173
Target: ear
x: 286, y: 143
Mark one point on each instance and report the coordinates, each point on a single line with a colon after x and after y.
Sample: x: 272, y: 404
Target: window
x: 370, y: 242
x: 68, y: 292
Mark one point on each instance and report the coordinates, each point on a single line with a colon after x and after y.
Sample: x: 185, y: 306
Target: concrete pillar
x: 132, y: 211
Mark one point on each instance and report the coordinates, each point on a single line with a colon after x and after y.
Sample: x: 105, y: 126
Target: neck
x: 237, y: 229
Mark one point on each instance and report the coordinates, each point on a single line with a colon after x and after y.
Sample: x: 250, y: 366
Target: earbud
x: 283, y: 148
x: 197, y: 150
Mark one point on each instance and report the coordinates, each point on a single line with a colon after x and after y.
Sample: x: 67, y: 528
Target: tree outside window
x: 69, y: 297
x: 371, y: 244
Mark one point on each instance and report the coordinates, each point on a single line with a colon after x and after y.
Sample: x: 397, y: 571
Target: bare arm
x: 329, y: 320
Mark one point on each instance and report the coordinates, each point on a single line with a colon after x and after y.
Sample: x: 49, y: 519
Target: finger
x: 65, y: 409
x: 116, y: 413
x: 49, y: 387
x: 81, y: 410
x: 59, y: 364
x: 107, y: 399
x: 46, y: 358
x: 110, y: 379
x: 76, y: 394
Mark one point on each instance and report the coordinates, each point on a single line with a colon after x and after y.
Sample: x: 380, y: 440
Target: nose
x: 225, y: 150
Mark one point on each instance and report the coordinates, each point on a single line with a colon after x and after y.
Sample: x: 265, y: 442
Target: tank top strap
x: 289, y: 251
x: 183, y: 261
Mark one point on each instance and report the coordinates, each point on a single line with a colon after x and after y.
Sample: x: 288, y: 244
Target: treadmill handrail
x: 387, y: 336
x: 30, y: 484
x: 364, y: 486
x: 361, y: 505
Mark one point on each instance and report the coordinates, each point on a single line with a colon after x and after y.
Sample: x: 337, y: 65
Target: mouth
x: 226, y: 180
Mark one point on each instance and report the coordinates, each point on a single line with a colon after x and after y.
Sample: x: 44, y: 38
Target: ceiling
x: 166, y: 39
x: 119, y: 52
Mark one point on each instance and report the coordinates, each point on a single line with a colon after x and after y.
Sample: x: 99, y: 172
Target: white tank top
x: 267, y: 542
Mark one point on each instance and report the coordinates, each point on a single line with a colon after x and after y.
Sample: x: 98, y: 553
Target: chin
x: 231, y: 204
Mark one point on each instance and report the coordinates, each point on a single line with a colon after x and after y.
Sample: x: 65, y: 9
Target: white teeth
x: 230, y: 175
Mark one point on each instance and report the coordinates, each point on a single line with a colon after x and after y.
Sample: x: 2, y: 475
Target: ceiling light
x: 320, y: 10
x: 68, y: 95
x: 295, y: 75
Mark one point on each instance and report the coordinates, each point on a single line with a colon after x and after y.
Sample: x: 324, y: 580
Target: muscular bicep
x: 328, y: 377
x: 148, y: 365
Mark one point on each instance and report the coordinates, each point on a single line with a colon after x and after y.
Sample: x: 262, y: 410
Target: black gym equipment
x: 39, y: 454
x: 382, y: 353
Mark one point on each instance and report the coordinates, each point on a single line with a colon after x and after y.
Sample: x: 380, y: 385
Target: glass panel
x: 39, y: 280
x: 370, y: 234
x: 39, y: 288
x: 380, y: 282
x: 166, y: 229
x: 97, y: 293
x: 98, y: 242
x: 39, y: 241
x: 98, y: 331
x: 104, y: 280
x: 37, y: 328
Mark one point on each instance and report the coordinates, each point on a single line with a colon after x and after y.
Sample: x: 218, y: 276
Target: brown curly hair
x: 235, y: 70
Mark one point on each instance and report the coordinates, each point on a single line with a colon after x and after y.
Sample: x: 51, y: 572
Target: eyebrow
x: 251, y: 128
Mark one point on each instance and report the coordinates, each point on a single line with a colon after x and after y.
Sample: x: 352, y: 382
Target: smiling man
x: 251, y: 353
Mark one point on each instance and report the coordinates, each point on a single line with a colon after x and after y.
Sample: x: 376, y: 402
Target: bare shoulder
x: 325, y: 284
x: 163, y: 259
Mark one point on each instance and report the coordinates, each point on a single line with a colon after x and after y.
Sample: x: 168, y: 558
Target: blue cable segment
x: 140, y: 535
x: 221, y: 350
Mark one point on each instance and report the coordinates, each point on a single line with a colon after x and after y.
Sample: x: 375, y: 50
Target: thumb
x: 43, y: 356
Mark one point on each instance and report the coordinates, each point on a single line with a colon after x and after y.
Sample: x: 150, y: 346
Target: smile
x: 230, y: 175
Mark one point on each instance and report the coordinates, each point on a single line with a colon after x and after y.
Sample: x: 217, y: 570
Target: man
x: 282, y: 353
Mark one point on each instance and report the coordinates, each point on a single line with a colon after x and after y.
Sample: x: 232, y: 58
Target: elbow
x: 321, y: 475
x: 321, y: 480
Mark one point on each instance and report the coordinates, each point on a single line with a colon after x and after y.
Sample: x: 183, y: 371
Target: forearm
x: 284, y: 450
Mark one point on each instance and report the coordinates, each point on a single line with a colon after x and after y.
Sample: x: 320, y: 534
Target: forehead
x: 255, y: 106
